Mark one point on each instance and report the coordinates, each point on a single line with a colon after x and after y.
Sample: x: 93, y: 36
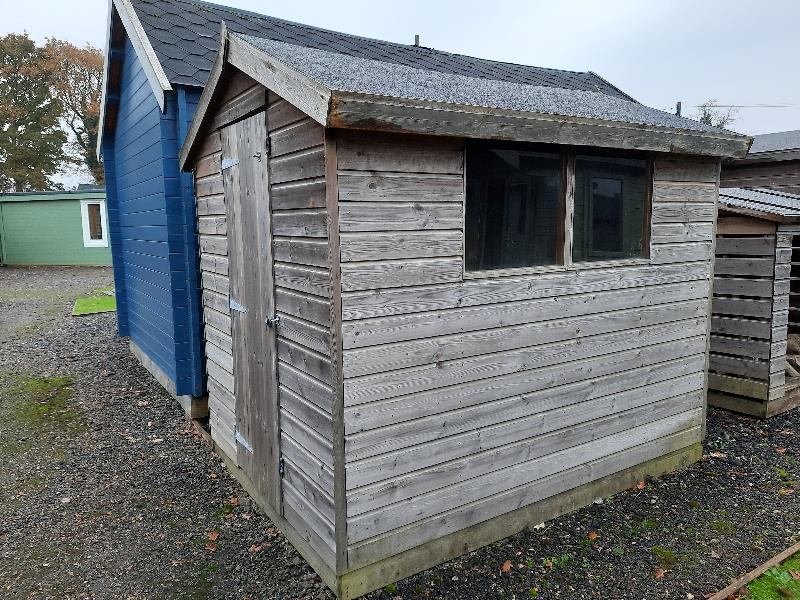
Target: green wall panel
x: 46, y: 232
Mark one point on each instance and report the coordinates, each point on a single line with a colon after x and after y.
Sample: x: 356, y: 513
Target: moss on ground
x: 778, y: 583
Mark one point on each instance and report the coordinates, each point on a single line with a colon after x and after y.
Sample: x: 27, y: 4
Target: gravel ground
x: 107, y: 491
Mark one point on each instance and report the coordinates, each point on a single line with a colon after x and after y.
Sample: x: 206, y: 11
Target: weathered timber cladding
x: 457, y: 391
x: 782, y: 175
x: 750, y: 308
x: 302, y: 291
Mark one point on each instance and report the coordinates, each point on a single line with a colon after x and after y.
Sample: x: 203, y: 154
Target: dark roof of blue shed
x: 185, y: 37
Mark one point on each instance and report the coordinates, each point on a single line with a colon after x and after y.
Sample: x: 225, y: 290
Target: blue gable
x: 152, y: 226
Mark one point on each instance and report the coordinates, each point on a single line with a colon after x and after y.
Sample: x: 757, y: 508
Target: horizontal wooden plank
x: 211, y: 225
x: 301, y: 223
x: 745, y: 246
x: 304, y: 359
x: 305, y: 333
x: 679, y: 191
x: 219, y: 321
x: 676, y: 253
x: 306, y: 194
x: 397, y: 328
x: 310, y: 465
x: 683, y: 212
x: 213, y: 244
x: 730, y: 224
x: 301, y: 135
x: 312, y: 280
x: 281, y: 113
x: 309, y: 523
x: 380, y: 386
x: 408, y: 154
x: 400, y: 244
x: 312, y: 441
x: 434, y: 350
x: 309, y: 489
x: 304, y: 306
x: 301, y: 251
x: 247, y: 102
x: 307, y: 164
x: 357, y: 186
x: 666, y: 233
x: 211, y: 205
x: 399, y: 216
x: 742, y: 307
x: 217, y: 301
x: 731, y: 286
x: 222, y: 357
x: 214, y: 263
x: 744, y: 266
x: 477, y: 292
x: 209, y: 186
x: 739, y: 386
x: 207, y: 165
x: 685, y: 169
x: 736, y: 365
x: 306, y: 386
x: 741, y: 327
x: 379, y: 274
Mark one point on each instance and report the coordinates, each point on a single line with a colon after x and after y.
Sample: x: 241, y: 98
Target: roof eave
x: 156, y: 77
x: 366, y: 111
x: 758, y: 214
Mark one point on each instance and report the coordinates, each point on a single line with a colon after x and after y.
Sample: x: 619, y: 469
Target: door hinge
x: 243, y: 441
x: 234, y: 305
x: 272, y: 321
x: 281, y: 466
x: 227, y: 163
x: 268, y: 146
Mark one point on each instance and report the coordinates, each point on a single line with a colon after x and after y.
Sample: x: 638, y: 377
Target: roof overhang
x: 757, y: 214
x: 350, y: 110
x: 123, y: 18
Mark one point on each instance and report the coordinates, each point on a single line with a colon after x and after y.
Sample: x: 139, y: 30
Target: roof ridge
x: 262, y: 17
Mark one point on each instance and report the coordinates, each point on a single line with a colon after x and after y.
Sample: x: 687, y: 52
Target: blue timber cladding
x: 151, y: 220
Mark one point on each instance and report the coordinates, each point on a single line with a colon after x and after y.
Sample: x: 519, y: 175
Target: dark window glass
x: 95, y: 222
x: 610, y: 200
x: 513, y: 207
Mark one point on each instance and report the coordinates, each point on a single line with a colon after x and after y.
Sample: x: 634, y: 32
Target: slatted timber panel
x: 749, y: 322
x: 302, y: 292
x: 467, y: 398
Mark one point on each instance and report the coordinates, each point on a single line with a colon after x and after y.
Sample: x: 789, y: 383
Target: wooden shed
x: 756, y: 307
x: 442, y: 307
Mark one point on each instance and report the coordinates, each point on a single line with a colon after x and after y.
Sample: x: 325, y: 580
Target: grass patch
x: 778, y: 583
x: 43, y: 401
x: 99, y: 301
x: 666, y: 558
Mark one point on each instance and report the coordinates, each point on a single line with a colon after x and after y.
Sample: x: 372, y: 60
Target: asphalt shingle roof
x: 185, y: 37
x: 776, y: 142
x: 773, y: 202
x: 345, y: 73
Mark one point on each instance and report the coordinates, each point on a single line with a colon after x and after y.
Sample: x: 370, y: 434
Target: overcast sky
x: 736, y: 51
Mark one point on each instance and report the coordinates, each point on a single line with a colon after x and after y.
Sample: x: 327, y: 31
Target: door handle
x: 272, y: 321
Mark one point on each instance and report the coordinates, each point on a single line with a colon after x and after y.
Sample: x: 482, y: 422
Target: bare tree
x: 711, y: 113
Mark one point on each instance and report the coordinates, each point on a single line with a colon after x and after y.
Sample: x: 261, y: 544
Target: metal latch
x: 257, y: 156
x: 234, y: 305
x: 227, y: 163
x: 281, y: 466
x: 243, y: 442
x: 272, y: 321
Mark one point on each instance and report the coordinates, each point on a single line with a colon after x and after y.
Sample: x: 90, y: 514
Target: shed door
x: 245, y: 174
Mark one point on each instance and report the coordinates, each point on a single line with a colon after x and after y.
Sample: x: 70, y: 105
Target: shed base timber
x: 194, y: 407
x: 763, y: 409
x: 377, y: 575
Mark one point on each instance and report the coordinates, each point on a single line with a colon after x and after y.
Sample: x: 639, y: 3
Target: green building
x: 54, y: 228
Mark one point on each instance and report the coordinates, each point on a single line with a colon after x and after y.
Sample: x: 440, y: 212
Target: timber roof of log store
x: 185, y: 36
x: 767, y: 204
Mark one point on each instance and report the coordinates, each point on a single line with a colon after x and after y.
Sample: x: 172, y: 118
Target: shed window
x: 93, y: 220
x: 523, y: 199
x: 513, y: 204
x: 610, y: 203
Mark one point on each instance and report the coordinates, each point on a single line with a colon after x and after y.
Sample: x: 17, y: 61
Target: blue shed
x: 159, y: 56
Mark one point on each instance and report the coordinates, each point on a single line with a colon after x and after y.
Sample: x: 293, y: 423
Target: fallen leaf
x: 658, y: 573
x: 505, y: 567
x: 715, y: 554
x: 795, y: 574
x: 787, y: 432
x: 234, y: 501
x: 213, y: 535
x: 592, y: 535
x: 640, y: 485
x: 718, y: 455
x: 256, y: 548
x: 780, y: 450
x: 689, y: 596
x: 211, y: 547
x: 785, y: 491
x: 213, y: 475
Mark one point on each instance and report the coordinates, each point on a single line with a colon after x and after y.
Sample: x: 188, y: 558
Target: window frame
x: 564, y: 235
x: 88, y: 242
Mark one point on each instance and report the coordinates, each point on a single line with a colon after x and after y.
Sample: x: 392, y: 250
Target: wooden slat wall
x: 782, y: 175
x: 467, y: 398
x: 750, y: 308
x: 302, y: 298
